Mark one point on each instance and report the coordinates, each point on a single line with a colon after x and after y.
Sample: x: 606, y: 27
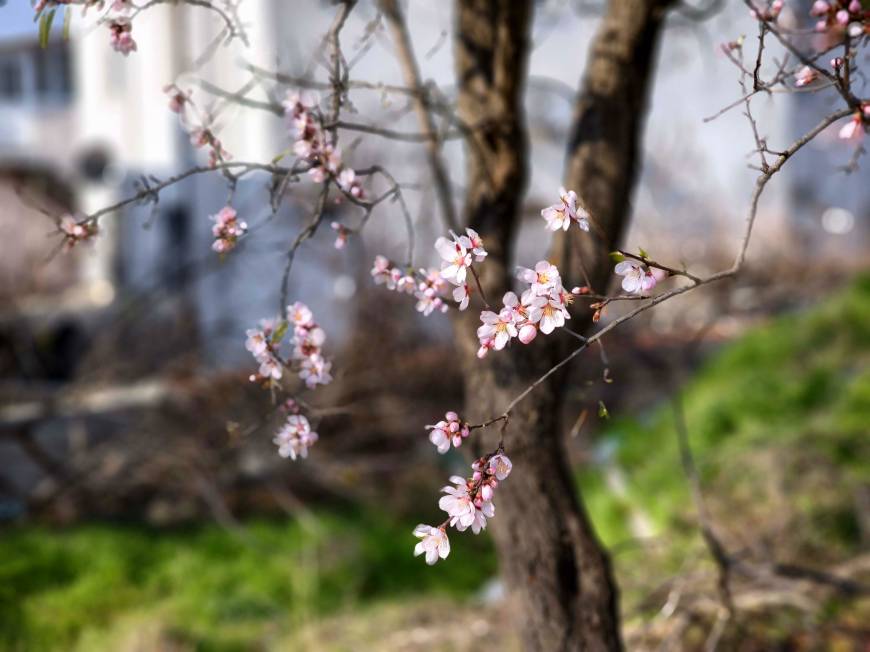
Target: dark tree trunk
x: 550, y: 556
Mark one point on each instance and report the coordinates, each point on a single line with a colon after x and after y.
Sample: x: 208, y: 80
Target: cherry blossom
x: 805, y: 76
x: 543, y: 307
x: 543, y: 278
x: 476, y: 245
x: 462, y: 295
x: 500, y: 466
x: 637, y: 278
x: 838, y: 17
x: 306, y: 348
x: 316, y: 371
x: 500, y: 327
x: 450, y: 430
x: 428, y: 286
x: 121, y: 35
x: 769, y: 13
x: 227, y: 229
x: 456, y: 258
x: 382, y: 272
x: 434, y: 544
x: 75, y: 231
x: 349, y: 183
x: 561, y: 215
x: 464, y: 507
x: 178, y: 98
x: 295, y: 437
x: 341, y: 233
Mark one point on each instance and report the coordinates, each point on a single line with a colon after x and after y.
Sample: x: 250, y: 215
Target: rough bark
x: 550, y: 556
x: 603, y: 150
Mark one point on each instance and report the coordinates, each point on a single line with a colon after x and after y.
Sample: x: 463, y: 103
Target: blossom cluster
x: 769, y: 13
x: 450, y: 430
x: 542, y: 306
x: 468, y: 503
x: 835, y: 17
x: 457, y: 257
x: 227, y: 229
x: 197, y: 124
x: 295, y: 436
x: 75, y: 231
x: 311, y: 144
x: 562, y: 215
x: 427, y: 286
x: 306, y: 348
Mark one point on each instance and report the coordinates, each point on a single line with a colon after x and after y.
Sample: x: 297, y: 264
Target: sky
x: 16, y: 18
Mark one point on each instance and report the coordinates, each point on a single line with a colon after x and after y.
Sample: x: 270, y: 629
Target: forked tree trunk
x: 549, y: 553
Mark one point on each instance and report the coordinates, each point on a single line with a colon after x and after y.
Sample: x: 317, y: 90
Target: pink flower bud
x: 819, y: 8
x: 842, y: 17
x: 527, y: 333
x: 855, y: 6
x: 451, y: 416
x: 486, y: 492
x: 476, y: 476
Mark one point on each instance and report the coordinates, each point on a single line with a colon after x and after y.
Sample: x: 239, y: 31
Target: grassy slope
x: 789, y: 402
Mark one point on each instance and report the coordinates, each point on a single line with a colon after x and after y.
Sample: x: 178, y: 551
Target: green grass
x: 785, y: 408
x: 211, y: 589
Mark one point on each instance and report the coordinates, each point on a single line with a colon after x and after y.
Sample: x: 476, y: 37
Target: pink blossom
x: 456, y: 259
x: 464, y: 509
x: 315, y: 371
x: 852, y: 130
x: 820, y: 8
x: 475, y: 243
x: 381, y: 270
x: 428, y: 301
x: 434, y: 544
x: 500, y: 466
x: 257, y: 341
x: 348, y: 182
x: 561, y: 215
x: 121, y: 36
x: 295, y: 437
x: 805, y: 76
x: 462, y: 295
x: 75, y: 231
x: 270, y: 367
x: 486, y: 345
x: 341, y: 235
x: 637, y: 279
x: 450, y: 430
x: 227, y: 229
x: 543, y: 278
x: 497, y: 326
x: 178, y: 99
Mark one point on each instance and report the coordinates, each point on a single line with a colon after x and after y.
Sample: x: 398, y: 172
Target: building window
x: 10, y: 78
x: 31, y: 74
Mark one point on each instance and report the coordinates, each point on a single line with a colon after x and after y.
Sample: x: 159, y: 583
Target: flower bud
x: 527, y: 333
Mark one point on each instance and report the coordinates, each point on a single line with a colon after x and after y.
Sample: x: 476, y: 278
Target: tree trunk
x: 550, y: 556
